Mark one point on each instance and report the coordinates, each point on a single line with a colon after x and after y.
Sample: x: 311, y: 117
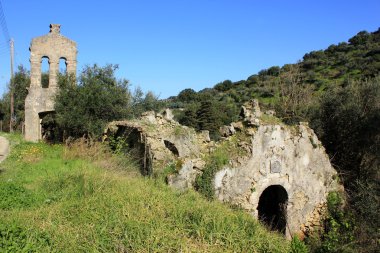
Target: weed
x: 14, y: 238
x: 297, y: 246
x: 270, y: 120
x: 215, y: 162
x: 119, y: 144
x: 337, y: 235
x: 227, y: 150
x: 13, y: 195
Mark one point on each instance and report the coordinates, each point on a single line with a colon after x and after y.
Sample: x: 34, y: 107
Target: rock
x: 185, y: 177
x: 205, y: 135
x: 238, y: 126
x: 168, y: 114
x: 150, y: 116
x: 251, y: 109
x: 250, y: 113
x: 305, y: 179
x: 158, y: 141
x: 226, y: 131
x: 270, y: 112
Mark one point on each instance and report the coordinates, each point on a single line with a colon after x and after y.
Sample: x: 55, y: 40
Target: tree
x: 21, y: 81
x: 295, y: 95
x: 145, y: 102
x: 99, y: 98
x: 224, y: 86
x: 189, y: 117
x: 208, y: 119
x: 187, y: 95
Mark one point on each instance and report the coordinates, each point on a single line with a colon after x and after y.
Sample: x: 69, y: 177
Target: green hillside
x: 84, y: 199
x: 278, y: 87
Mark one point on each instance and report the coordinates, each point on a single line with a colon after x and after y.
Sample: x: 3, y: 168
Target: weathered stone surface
x: 186, y: 175
x: 150, y: 117
x: 281, y: 156
x: 39, y: 100
x: 275, y: 166
x: 238, y: 126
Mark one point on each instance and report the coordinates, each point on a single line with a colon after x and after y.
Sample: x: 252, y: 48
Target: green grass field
x: 59, y: 199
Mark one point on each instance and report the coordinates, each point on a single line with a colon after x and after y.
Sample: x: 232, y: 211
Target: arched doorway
x: 272, y: 207
x: 48, y: 127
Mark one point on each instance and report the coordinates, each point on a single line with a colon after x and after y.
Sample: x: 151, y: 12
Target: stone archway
x: 48, y: 127
x: 272, y: 208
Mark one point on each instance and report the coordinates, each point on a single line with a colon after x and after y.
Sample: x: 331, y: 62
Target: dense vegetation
x: 83, y: 198
x: 338, y: 91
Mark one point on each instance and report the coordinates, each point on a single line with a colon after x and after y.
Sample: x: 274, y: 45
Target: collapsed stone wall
x: 162, y: 141
x: 283, y: 160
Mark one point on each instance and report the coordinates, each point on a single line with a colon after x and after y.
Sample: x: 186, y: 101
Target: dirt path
x: 4, y: 148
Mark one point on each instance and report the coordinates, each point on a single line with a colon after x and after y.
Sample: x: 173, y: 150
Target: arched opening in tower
x: 272, y: 208
x: 45, y: 72
x: 62, y: 67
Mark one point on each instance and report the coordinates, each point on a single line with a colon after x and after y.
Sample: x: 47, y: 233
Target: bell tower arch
x: 40, y: 99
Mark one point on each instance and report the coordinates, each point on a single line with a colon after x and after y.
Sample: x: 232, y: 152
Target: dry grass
x: 101, y: 156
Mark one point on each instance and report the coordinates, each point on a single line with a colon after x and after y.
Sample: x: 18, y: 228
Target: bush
x: 338, y: 232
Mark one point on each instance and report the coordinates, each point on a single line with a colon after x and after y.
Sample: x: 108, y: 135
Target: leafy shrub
x: 118, y: 144
x: 204, y: 182
x: 338, y: 233
x: 297, y: 246
x: 16, y: 239
x: 13, y: 195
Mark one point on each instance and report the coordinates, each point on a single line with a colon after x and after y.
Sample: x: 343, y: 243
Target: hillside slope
x: 290, y: 89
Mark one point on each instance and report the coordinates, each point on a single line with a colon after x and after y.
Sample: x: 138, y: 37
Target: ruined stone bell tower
x: 40, y: 100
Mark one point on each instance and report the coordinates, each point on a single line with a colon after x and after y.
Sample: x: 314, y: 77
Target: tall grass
x: 84, y: 199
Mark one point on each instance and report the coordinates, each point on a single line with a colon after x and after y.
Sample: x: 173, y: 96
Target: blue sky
x: 167, y: 46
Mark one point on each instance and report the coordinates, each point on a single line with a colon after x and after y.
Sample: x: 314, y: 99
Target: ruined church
x: 280, y: 174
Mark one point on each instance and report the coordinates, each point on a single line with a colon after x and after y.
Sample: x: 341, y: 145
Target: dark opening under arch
x: 272, y: 207
x: 49, y: 130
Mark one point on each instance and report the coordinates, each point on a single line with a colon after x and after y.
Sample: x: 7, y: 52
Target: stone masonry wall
x: 39, y: 100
